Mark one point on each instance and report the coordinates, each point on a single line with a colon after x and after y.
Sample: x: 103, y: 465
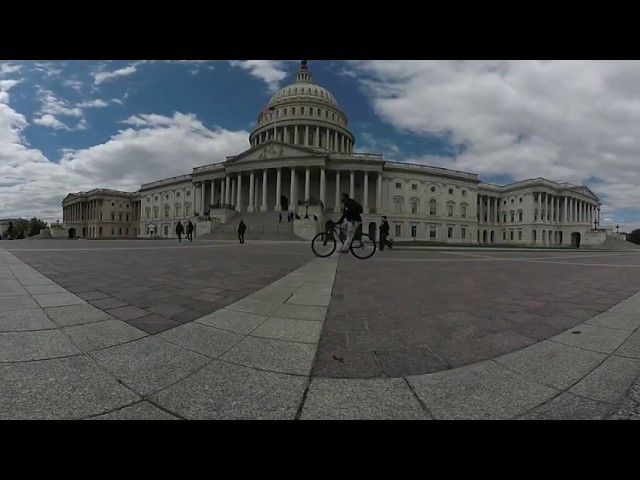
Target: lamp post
x: 617, y: 229
x: 306, y: 210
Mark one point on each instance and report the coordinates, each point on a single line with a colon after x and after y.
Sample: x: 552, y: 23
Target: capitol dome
x: 304, y: 114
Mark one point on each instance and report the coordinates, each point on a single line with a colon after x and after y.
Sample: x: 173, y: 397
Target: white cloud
x: 48, y: 120
x: 7, y: 67
x: 563, y: 120
x: 97, y: 103
x: 101, y: 76
x: 154, y: 147
x: 54, y: 105
x: 270, y: 71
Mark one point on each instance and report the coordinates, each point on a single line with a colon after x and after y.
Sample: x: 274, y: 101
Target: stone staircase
x: 614, y: 243
x: 260, y: 226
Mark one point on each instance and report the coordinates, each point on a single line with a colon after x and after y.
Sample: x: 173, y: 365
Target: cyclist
x: 351, y: 216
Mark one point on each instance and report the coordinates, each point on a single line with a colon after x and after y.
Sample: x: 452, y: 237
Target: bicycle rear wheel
x: 323, y: 245
x: 363, y: 248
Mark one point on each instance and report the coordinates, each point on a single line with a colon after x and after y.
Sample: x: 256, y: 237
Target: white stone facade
x: 302, y: 151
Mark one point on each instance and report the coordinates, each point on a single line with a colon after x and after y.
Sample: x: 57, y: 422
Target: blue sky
x: 76, y: 125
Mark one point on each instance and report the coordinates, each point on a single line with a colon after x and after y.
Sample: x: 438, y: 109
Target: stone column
x: 336, y: 142
x: 548, y: 216
x: 352, y: 183
x: 565, y: 212
x: 306, y: 136
x: 336, y: 207
x: 223, y: 188
x: 295, y: 135
x: 327, y: 138
x: 263, y: 208
x: 203, y: 197
x: 307, y: 184
x: 539, y: 206
x: 292, y: 194
x: 227, y: 191
x: 278, y: 189
x: 197, y: 202
x: 379, y: 194
x: 252, y: 191
x: 489, y: 211
x: 342, y: 144
x: 213, y: 192
x: 239, y: 193
x: 365, y: 204
x: 285, y: 135
x: 323, y: 184
x: 317, y: 142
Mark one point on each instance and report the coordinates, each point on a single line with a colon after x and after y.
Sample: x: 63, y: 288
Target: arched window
x: 301, y: 110
x: 148, y: 212
x: 187, y: 209
x: 433, y: 206
x: 519, y: 215
x: 319, y: 112
x: 397, y: 204
x: 285, y: 111
x: 177, y: 207
x: 166, y: 210
x: 463, y: 210
x: 513, y: 216
x: 155, y: 211
x: 293, y: 110
x: 156, y: 198
x: 326, y: 114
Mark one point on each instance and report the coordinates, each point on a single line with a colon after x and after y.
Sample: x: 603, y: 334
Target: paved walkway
x: 62, y: 357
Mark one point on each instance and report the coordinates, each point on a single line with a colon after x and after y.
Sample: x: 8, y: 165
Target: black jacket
x: 384, y: 228
x: 351, y: 211
x: 242, y: 228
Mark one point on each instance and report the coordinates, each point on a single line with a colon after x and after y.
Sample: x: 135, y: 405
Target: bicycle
x: 324, y: 244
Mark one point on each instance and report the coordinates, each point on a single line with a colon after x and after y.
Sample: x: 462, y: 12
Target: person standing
x: 241, y: 229
x: 190, y: 231
x: 280, y: 218
x: 384, y: 233
x: 179, y: 231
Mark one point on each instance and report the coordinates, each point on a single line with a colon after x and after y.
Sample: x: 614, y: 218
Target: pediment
x: 271, y: 150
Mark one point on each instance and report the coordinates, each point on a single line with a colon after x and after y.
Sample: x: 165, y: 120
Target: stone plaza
x: 264, y: 330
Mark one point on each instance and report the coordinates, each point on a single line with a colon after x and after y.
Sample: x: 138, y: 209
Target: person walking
x: 241, y: 229
x: 190, y: 231
x: 280, y: 218
x: 179, y: 231
x: 384, y: 233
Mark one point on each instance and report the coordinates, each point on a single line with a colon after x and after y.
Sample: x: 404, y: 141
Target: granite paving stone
x: 43, y: 289
x: 39, y: 280
x: 272, y: 355
x: 12, y: 290
x: 149, y: 364
x: 629, y: 407
x: 568, y: 407
x: 378, y: 399
x: 108, y: 303
x: 301, y: 312
x: 38, y: 345
x: 76, y: 315
x: 166, y: 310
x: 92, y: 295
x: 290, y: 330
x: 57, y: 300
x: 202, y: 339
x: 552, y: 364
x: 590, y: 337
x: 221, y: 391
x: 484, y: 391
x: 65, y: 388
x: 107, y: 333
x: 127, y: 313
x: 153, y: 324
x: 239, y: 322
x: 631, y: 347
x: 622, y: 321
x: 609, y: 381
x: 24, y: 320
x: 17, y: 302
x: 137, y: 411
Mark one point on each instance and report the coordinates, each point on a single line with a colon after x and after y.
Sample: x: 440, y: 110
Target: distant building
x: 101, y: 213
x: 301, y: 154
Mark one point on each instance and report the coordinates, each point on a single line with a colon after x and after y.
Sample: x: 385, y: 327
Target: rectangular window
x: 433, y: 230
x: 463, y: 211
x: 119, y: 231
x: 450, y: 210
x: 432, y: 207
x: 414, y: 187
x: 504, y: 235
x: 398, y: 185
x: 519, y: 216
x: 464, y: 193
x: 120, y: 217
x: 113, y: 231
x: 463, y: 232
x: 113, y: 216
x: 449, y: 232
x: 512, y: 217
x: 414, y: 231
x: 414, y: 208
x: 127, y: 232
x: 511, y: 234
x: 451, y: 191
x: 397, y: 203
x: 127, y: 217
x: 520, y: 235
x: 398, y: 230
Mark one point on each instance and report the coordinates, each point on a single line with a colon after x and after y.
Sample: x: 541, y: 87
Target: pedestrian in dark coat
x: 241, y: 229
x: 190, y: 229
x: 179, y: 231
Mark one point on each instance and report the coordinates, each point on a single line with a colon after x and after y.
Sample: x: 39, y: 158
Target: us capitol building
x: 301, y: 158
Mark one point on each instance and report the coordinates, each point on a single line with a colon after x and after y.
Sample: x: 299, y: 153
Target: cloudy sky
x: 77, y: 125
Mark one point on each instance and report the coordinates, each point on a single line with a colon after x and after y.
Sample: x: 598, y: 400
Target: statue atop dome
x: 304, y: 74
x: 303, y: 64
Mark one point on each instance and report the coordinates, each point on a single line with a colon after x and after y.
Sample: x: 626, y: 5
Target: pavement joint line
x: 43, y: 359
x: 422, y: 404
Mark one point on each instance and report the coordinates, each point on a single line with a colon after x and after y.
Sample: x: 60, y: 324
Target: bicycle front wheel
x: 364, y: 247
x: 323, y: 245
